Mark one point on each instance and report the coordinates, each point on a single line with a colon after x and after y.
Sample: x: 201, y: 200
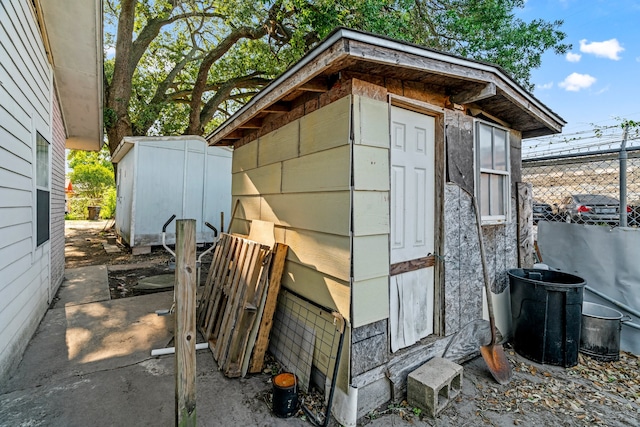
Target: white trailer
x: 161, y: 176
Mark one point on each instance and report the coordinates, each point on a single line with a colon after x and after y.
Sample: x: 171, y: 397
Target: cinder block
x: 140, y: 250
x: 433, y: 385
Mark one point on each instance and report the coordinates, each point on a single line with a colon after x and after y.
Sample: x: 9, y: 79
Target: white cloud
x: 110, y: 52
x: 603, y: 90
x: 545, y: 86
x: 576, y: 82
x: 606, y: 49
x: 573, y: 57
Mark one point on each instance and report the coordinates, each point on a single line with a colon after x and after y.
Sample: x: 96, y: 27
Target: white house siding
x: 57, y: 197
x: 25, y: 107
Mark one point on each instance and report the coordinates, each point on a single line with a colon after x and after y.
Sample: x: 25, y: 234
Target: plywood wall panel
x: 326, y: 128
x: 370, y: 212
x: 279, y: 145
x: 370, y: 168
x: 327, y: 170
x: 245, y: 158
x: 327, y: 253
x: 370, y: 302
x: 262, y: 180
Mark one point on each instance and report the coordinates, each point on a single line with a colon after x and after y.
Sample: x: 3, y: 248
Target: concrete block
x: 433, y: 385
x: 141, y: 250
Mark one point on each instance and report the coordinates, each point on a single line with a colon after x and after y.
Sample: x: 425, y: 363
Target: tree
x: 92, y: 177
x: 183, y: 66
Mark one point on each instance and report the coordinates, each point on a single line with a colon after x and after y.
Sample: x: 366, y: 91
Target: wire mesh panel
x: 305, y: 340
x: 584, y: 188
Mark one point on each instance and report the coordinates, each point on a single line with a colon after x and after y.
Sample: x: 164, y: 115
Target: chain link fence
x: 584, y: 188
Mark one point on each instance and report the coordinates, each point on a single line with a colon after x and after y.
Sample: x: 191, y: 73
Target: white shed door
x: 412, y: 225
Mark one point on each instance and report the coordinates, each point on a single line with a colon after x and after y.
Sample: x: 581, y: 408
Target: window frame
x: 42, y: 191
x: 504, y: 217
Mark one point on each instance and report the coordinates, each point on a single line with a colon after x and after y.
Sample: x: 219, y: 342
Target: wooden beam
x: 266, y: 322
x: 277, y: 107
x: 412, y: 265
x: 251, y: 124
x: 473, y: 95
x: 525, y: 225
x: 319, y: 84
x: 185, y: 323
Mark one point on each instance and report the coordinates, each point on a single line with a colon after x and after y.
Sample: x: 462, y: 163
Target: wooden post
x: 525, y: 225
x: 185, y: 322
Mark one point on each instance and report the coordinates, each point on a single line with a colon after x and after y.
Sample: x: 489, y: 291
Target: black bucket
x: 546, y: 310
x: 600, y: 333
x: 285, y: 394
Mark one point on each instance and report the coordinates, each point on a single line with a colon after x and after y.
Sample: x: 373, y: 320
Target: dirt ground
x: 591, y: 393
x: 84, y: 245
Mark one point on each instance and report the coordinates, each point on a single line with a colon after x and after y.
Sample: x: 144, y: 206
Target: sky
x: 599, y: 79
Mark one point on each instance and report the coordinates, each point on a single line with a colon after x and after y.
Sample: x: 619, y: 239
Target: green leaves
x: 155, y: 88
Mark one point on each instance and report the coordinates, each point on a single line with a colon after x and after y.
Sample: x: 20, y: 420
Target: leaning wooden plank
x: 221, y: 275
x: 228, y: 289
x: 242, y: 343
x: 266, y: 320
x: 236, y: 335
x: 208, y: 286
x: 246, y: 260
x: 220, y: 270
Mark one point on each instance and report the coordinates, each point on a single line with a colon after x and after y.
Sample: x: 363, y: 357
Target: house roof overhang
x: 480, y: 85
x: 72, y: 32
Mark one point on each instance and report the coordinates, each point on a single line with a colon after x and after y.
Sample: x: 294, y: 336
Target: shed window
x: 492, y: 165
x: 42, y: 190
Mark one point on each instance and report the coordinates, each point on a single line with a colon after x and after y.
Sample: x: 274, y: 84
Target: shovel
x: 492, y: 353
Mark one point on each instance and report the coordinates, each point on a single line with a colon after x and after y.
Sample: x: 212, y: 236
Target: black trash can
x: 546, y: 309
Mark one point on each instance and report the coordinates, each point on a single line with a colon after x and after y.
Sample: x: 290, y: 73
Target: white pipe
x: 172, y: 350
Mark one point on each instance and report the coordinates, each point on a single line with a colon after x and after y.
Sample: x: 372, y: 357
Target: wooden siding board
x: 460, y: 157
x: 9, y: 294
x: 317, y: 287
x: 370, y: 302
x: 262, y: 180
x: 12, y: 271
x: 20, y: 54
x: 248, y: 207
x: 13, y: 98
x: 31, y: 36
x: 370, y: 168
x: 322, y: 171
x: 16, y: 233
x: 281, y: 144
x: 10, y: 197
x: 326, y: 128
x: 373, y: 123
x: 327, y: 253
x: 31, y: 303
x: 17, y: 250
x: 245, y: 158
x: 370, y: 212
x: 371, y: 257
x: 18, y: 127
x: 15, y: 216
x: 324, y: 212
x: 57, y: 198
x: 14, y: 180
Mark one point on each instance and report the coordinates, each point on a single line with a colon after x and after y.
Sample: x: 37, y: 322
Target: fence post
x: 623, y: 177
x: 185, y: 322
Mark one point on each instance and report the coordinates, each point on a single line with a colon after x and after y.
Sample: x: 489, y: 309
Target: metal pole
x: 623, y: 178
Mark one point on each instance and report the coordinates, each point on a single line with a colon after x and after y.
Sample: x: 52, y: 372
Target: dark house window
x: 43, y: 202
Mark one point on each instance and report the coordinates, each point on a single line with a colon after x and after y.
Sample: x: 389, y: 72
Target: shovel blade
x: 496, y: 359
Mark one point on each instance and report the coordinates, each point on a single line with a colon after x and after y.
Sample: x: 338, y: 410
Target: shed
x: 161, y: 176
x: 365, y: 155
